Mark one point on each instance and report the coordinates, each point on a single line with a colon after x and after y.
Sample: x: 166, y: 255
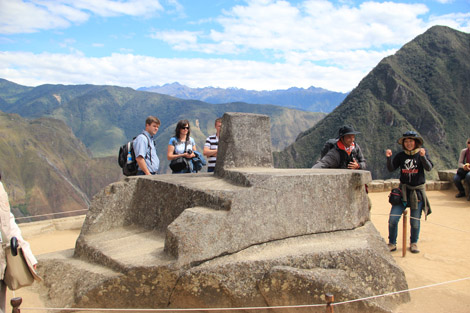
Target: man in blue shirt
x: 144, y: 148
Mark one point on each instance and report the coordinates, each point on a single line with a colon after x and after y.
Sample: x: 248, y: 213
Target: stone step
x: 66, y: 277
x: 124, y: 248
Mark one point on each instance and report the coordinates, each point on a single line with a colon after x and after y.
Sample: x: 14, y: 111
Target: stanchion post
x: 405, y: 219
x: 15, y: 304
x: 329, y: 300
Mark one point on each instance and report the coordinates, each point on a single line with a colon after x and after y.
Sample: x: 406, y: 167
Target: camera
x: 190, y: 151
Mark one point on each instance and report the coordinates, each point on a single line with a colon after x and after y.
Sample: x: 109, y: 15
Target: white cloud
x: 314, y: 25
x: 282, y: 29
x: 19, y: 16
x: 139, y: 71
x: 459, y: 21
x: 25, y: 17
x: 116, y: 8
x: 313, y: 43
x: 180, y: 40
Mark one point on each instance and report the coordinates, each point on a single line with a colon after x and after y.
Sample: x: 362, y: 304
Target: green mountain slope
x: 105, y: 117
x: 46, y: 169
x: 424, y: 87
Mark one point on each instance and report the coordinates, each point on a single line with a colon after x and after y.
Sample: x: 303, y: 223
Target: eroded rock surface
x: 248, y: 235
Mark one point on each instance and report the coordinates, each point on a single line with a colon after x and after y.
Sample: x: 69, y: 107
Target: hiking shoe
x: 468, y: 198
x: 460, y: 195
x: 392, y: 247
x: 414, y: 248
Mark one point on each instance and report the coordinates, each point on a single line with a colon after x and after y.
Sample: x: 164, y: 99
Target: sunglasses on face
x: 185, y: 127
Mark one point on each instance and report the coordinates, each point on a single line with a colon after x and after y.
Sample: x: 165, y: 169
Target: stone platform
x: 247, y: 235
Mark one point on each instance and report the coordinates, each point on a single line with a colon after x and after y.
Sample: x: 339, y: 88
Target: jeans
x: 458, y: 182
x: 393, y: 220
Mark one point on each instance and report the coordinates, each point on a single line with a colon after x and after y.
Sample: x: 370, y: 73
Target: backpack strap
x: 185, y: 145
x: 148, y: 146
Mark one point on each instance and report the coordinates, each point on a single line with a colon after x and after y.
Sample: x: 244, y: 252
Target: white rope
x: 42, y: 215
x: 427, y: 221
x: 255, y: 308
x: 402, y: 291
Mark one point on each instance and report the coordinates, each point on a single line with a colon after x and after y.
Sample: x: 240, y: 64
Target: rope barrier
x: 437, y: 224
x: 253, y: 308
x: 50, y: 214
x: 403, y: 291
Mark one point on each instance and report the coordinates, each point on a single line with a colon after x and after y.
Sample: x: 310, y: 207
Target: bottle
x: 129, y: 157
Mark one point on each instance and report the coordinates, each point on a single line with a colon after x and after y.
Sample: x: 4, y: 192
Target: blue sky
x: 251, y: 44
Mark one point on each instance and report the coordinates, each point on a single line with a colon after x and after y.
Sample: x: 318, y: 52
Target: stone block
x: 299, y: 270
x: 376, y: 186
x: 442, y: 185
x: 447, y: 175
x: 306, y: 194
x: 430, y: 185
x: 393, y: 183
x: 245, y: 141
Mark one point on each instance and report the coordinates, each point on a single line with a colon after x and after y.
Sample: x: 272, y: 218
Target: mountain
x: 311, y: 99
x: 106, y: 117
x: 424, y: 87
x: 46, y: 169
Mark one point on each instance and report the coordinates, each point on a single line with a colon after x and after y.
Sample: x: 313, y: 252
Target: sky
x: 249, y: 44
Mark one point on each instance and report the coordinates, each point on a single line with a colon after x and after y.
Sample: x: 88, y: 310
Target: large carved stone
x: 248, y: 235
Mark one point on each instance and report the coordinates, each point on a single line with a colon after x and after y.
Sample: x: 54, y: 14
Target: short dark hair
x: 152, y: 119
x: 180, y: 126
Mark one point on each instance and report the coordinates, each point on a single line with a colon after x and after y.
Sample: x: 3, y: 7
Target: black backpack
x: 126, y: 158
x: 329, y: 144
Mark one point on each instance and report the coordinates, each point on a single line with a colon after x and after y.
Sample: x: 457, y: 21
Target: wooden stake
x: 405, y: 219
x: 15, y: 304
x: 329, y: 299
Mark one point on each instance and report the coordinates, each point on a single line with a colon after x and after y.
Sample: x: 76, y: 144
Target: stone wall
x: 445, y: 182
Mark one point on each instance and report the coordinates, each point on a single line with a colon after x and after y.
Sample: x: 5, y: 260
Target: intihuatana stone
x: 248, y: 235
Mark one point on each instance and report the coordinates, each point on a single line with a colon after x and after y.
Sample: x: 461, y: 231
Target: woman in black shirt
x: 412, y: 161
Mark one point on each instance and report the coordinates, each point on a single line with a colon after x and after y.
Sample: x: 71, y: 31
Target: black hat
x: 346, y: 130
x: 413, y: 135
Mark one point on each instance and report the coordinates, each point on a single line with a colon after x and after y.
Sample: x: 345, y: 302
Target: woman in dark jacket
x: 412, y: 161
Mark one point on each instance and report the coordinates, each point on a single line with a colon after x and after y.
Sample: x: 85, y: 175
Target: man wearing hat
x: 412, y: 161
x: 346, y: 153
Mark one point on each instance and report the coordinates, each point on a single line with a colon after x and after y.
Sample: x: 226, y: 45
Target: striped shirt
x: 212, y: 142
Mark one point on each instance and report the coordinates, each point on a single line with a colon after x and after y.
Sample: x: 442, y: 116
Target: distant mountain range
x: 311, y: 99
x: 424, y: 87
x: 95, y: 121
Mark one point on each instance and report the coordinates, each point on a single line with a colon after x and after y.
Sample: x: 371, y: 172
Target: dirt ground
x: 440, y: 273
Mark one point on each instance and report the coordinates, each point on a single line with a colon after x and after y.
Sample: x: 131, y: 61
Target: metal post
x: 15, y: 304
x: 405, y: 219
x: 329, y: 299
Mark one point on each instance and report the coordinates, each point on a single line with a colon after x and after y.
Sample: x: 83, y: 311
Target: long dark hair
x: 180, y: 126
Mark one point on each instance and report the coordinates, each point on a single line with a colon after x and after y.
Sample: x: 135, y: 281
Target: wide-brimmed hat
x: 413, y: 135
x: 346, y: 130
